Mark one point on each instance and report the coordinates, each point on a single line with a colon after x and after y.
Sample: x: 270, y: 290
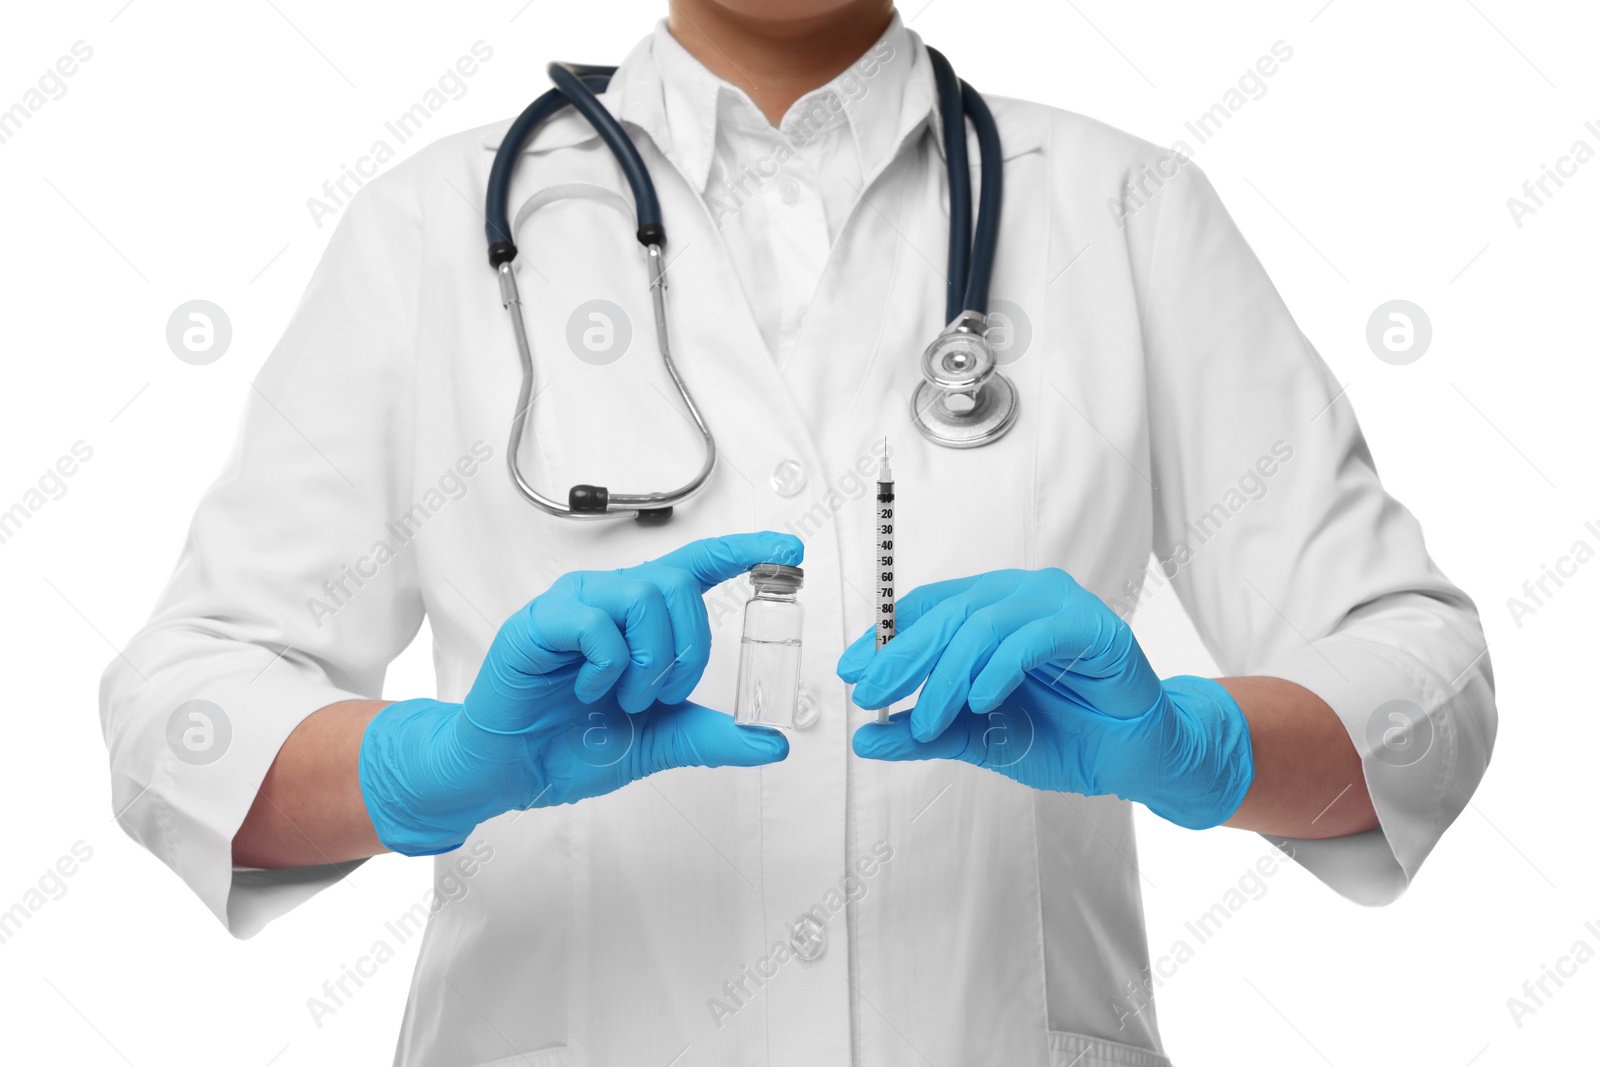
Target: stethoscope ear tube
x: 570, y: 81
x: 497, y: 201
x: 575, y: 85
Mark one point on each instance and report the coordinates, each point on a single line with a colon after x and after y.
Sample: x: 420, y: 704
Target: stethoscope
x: 962, y: 401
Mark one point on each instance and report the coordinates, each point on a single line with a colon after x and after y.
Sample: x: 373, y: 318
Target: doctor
x: 957, y: 886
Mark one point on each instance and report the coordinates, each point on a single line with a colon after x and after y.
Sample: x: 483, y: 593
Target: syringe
x: 883, y: 555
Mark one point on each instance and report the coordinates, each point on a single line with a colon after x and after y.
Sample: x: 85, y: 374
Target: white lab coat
x: 985, y: 922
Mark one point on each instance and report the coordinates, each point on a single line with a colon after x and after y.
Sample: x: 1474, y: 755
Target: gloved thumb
x: 714, y: 560
x: 691, y: 735
x: 893, y: 740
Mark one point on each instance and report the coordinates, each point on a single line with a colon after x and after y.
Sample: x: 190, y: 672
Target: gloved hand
x: 583, y: 691
x: 1031, y: 675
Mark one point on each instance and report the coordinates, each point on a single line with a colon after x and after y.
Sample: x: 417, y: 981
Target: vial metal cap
x: 776, y: 578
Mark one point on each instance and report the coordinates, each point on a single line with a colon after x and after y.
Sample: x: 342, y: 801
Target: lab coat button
x: 789, y: 189
x: 788, y: 478
x: 806, y: 710
x: 808, y: 938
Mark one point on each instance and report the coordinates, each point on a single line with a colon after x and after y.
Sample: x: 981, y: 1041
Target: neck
x: 777, y: 60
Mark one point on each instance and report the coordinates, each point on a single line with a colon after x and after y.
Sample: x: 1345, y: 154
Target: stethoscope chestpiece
x: 962, y: 402
x: 959, y: 359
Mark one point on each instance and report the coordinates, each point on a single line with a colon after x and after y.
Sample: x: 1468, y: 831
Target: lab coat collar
x: 875, y: 98
x: 899, y: 104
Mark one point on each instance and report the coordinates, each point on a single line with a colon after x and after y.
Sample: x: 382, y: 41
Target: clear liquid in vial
x: 769, y: 683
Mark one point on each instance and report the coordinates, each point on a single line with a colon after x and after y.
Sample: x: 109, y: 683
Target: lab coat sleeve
x: 247, y: 622
x: 1285, y: 549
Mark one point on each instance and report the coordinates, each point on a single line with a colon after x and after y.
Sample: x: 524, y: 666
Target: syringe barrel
x: 883, y: 562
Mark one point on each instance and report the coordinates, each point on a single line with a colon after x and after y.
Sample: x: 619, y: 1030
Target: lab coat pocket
x: 1081, y: 1050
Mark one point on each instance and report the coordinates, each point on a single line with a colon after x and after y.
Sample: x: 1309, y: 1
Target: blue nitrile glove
x: 583, y: 691
x: 1031, y: 675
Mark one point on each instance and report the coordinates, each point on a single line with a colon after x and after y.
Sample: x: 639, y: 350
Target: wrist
x: 1207, y: 749
x: 408, y: 754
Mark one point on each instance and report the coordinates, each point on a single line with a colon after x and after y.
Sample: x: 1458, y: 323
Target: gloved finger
x: 691, y: 629
x: 893, y: 741
x: 901, y: 665
x: 637, y: 608
x: 858, y: 655
x: 1113, y: 676
x: 967, y: 655
x: 567, y: 625
x: 1054, y: 645
x: 692, y: 735
x: 713, y: 560
x: 1082, y: 648
x: 511, y: 687
x: 907, y: 610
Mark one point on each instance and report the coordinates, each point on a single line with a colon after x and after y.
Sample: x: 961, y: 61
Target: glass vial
x: 769, y: 655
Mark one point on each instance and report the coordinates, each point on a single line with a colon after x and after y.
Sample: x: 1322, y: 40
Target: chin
x: 790, y: 10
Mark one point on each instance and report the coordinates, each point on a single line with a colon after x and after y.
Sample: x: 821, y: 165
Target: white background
x: 1376, y: 166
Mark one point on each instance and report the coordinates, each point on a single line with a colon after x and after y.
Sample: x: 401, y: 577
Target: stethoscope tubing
x: 971, y: 260
x: 970, y: 263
